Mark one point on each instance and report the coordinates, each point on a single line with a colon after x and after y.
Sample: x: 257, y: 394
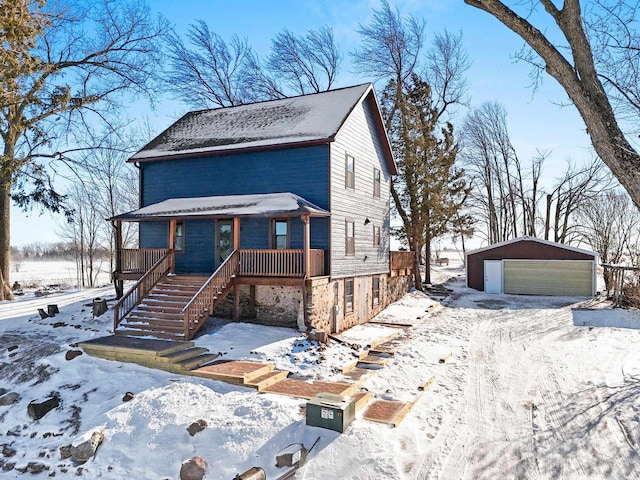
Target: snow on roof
x: 228, y: 205
x: 531, y: 239
x: 306, y: 118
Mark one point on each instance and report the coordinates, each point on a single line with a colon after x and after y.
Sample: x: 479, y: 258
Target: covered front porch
x: 211, y: 239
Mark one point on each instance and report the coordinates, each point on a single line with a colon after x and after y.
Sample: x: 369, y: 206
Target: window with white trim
x: 178, y: 244
x: 376, y: 235
x: 376, y: 182
x: 350, y: 237
x: 280, y: 234
x: 350, y: 172
x: 375, y: 291
x: 348, y: 295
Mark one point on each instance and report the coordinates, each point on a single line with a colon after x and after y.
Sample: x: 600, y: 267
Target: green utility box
x: 330, y: 411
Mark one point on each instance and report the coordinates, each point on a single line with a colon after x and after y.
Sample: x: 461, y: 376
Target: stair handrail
x: 205, y: 297
x: 139, y: 290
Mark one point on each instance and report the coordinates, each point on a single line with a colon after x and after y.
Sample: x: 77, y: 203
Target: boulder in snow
x: 196, y: 427
x: 193, y: 469
x: 37, y: 410
x: 9, y: 398
x: 86, y: 450
x: 71, y: 354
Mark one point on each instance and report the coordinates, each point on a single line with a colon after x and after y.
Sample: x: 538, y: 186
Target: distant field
x: 40, y: 273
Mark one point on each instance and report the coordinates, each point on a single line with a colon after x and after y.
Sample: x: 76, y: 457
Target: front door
x: 493, y: 276
x: 224, y: 240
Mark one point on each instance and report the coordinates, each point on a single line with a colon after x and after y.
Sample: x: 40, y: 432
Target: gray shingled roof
x: 303, y: 119
x: 266, y: 204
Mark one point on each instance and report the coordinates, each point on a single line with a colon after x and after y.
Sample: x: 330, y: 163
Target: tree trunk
x: 417, y: 273
x: 5, y: 239
x: 427, y: 249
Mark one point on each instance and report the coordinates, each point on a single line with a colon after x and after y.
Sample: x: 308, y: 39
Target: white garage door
x: 549, y: 277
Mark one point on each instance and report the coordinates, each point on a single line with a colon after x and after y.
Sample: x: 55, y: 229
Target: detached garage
x: 532, y: 266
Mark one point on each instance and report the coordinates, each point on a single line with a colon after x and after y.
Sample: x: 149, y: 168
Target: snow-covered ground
x: 536, y: 387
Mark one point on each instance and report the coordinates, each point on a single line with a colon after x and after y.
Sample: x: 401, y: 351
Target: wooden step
x: 266, y: 380
x: 176, y: 287
x: 149, y: 333
x: 164, y: 305
x: 180, y: 286
x: 155, y: 322
x: 185, y: 279
x: 236, y: 372
x: 181, y: 355
x: 374, y: 360
x: 362, y: 399
x: 135, y: 346
x: 195, y: 362
x: 156, y: 314
x: 153, y: 328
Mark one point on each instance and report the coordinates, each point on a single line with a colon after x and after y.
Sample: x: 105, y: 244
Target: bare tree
x: 391, y: 46
x: 595, y: 60
x: 609, y: 224
x: 62, y: 62
x: 306, y: 64
x: 572, y: 191
x: 206, y: 71
x: 497, y: 174
x: 85, y: 231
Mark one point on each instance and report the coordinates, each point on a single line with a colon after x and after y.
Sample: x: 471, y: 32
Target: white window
x: 350, y: 238
x: 280, y: 234
x: 350, y: 172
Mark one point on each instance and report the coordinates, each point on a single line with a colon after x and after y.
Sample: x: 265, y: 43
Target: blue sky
x: 534, y: 120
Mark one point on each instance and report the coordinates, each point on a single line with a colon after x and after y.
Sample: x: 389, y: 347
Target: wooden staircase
x: 160, y: 313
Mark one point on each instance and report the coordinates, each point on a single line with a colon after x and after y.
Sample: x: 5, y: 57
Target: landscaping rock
x: 9, y: 398
x: 196, y: 427
x: 65, y: 451
x: 8, y: 451
x: 71, y: 354
x: 193, y: 469
x: 37, y: 410
x: 86, y: 450
x: 319, y: 336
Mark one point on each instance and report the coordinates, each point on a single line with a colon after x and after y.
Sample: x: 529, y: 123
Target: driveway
x: 547, y: 389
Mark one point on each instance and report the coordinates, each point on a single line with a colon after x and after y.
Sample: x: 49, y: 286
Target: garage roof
x: 533, y: 239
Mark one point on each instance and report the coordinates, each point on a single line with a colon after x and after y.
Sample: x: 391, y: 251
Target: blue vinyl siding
x: 199, y: 251
x: 254, y: 233
x: 154, y: 234
x: 303, y: 171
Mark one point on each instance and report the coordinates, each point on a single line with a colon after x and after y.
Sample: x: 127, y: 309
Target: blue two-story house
x: 284, y: 204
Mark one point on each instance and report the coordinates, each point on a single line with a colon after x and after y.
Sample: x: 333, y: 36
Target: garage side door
x: 543, y: 277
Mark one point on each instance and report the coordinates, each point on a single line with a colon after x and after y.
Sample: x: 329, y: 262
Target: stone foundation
x: 279, y: 306
x: 398, y: 286
x: 323, y: 299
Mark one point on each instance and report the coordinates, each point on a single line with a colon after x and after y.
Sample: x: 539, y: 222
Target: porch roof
x: 257, y: 205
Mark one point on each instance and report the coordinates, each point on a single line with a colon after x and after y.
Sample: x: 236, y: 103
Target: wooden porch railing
x: 140, y: 260
x: 278, y: 263
x: 204, y: 300
x: 137, y: 292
